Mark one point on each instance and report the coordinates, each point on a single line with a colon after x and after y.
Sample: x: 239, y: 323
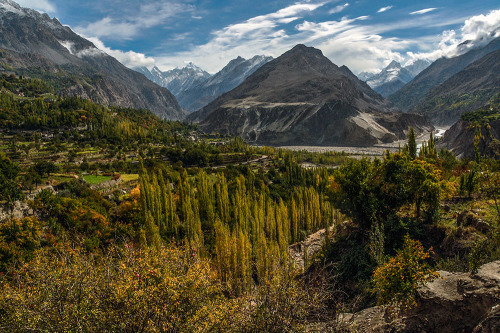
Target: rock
x: 491, y: 324
x: 455, y: 302
x: 312, y: 246
x: 472, y: 219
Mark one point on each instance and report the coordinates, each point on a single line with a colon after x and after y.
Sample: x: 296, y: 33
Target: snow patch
x: 90, y: 52
x: 68, y: 45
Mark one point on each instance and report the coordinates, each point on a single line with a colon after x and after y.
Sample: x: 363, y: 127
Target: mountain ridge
x: 228, y: 78
x: 392, y: 77
x: 35, y: 45
x: 438, y: 72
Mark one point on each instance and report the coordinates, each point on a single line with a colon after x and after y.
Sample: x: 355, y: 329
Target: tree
x: 45, y: 168
x: 10, y: 190
x: 412, y: 144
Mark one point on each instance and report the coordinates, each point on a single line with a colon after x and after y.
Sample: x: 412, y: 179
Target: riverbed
x: 376, y: 150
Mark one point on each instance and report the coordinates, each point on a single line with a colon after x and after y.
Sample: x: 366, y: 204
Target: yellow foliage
x: 396, y: 282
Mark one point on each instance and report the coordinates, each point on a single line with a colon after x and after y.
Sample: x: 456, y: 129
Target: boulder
x: 491, y: 324
x: 454, y: 302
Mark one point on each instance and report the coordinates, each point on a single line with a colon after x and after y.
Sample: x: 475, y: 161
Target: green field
x: 91, y: 179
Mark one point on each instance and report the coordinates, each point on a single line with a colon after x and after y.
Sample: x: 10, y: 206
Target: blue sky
x: 364, y: 35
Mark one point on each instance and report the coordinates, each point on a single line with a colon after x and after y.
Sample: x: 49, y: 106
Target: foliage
x: 18, y: 241
x: 129, y: 290
x: 412, y: 144
x: 10, y: 190
x: 396, y: 282
x: 373, y: 192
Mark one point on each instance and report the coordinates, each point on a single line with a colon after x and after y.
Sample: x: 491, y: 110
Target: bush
x: 396, y: 282
x: 131, y: 290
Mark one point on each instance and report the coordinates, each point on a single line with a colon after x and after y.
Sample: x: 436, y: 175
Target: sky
x: 364, y: 35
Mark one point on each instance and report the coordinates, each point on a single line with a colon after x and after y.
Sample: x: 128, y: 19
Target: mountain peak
x: 393, y: 64
x: 301, y: 48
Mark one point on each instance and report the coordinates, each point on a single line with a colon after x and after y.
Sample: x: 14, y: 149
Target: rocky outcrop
x: 312, y: 245
x: 491, y: 324
x: 454, y: 302
x: 459, y: 138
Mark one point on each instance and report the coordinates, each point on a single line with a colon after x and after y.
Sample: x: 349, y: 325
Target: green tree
x: 10, y: 190
x: 412, y: 144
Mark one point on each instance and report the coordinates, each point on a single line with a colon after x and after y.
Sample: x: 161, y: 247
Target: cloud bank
x: 361, y: 43
x: 477, y: 31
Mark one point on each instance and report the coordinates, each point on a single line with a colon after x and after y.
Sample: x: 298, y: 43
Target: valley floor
x: 376, y: 150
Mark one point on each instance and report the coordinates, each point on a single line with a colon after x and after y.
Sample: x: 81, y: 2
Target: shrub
x: 131, y: 290
x: 396, y: 282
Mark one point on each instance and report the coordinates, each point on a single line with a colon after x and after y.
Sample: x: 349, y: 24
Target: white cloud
x: 384, y: 9
x: 127, y: 27
x: 262, y: 34
x: 338, y: 9
x: 422, y: 11
x: 41, y: 5
x: 476, y: 31
x: 359, y: 43
x: 130, y: 59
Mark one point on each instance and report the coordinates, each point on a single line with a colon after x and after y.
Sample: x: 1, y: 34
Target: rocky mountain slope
x: 35, y: 45
x: 459, y: 138
x: 393, y: 77
x: 467, y: 90
x: 438, y: 72
x: 232, y: 75
x: 177, y: 79
x: 303, y: 98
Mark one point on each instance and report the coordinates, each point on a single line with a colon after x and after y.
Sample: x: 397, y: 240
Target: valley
x: 207, y: 186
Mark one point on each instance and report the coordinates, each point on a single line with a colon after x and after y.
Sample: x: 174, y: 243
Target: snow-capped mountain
x: 418, y: 66
x: 178, y: 79
x: 231, y: 76
x: 393, y: 77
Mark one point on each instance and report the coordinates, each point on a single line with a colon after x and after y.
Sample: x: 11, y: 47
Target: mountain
x: 34, y: 45
x: 303, y: 98
x: 178, y: 79
x: 417, y: 66
x: 461, y: 137
x: 391, y: 78
x: 467, y: 90
x: 232, y: 75
x: 438, y: 72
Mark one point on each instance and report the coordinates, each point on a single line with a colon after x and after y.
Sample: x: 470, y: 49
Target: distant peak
x: 394, y: 64
x: 156, y: 70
